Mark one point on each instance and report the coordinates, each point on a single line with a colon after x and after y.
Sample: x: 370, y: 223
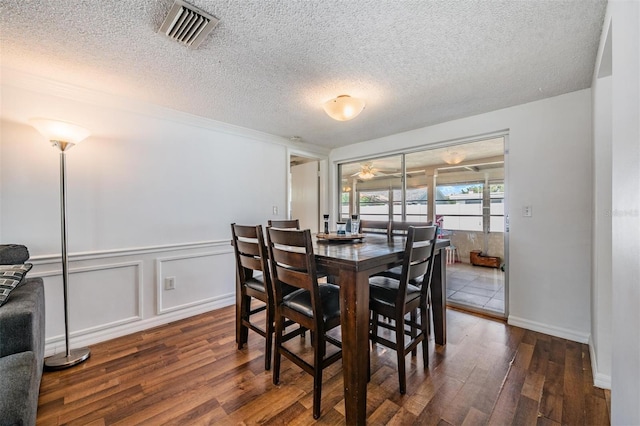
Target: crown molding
x: 38, y: 84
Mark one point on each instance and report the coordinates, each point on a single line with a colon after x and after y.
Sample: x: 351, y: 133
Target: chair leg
x: 276, y: 351
x: 413, y: 317
x: 368, y: 362
x: 243, y: 315
x: 428, y: 308
x: 374, y: 326
x: 424, y: 321
x: 268, y: 348
x: 402, y: 375
x: 318, y: 356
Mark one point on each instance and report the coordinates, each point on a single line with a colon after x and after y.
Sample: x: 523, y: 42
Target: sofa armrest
x: 22, y: 320
x: 20, y: 389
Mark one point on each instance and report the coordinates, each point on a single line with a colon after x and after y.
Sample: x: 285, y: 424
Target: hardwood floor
x: 190, y: 372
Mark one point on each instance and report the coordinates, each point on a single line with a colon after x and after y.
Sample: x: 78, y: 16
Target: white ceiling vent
x: 187, y: 24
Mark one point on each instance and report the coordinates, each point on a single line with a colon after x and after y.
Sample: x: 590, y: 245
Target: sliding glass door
x: 462, y: 189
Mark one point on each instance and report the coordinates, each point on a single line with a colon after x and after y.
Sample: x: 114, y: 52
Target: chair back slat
x: 285, y: 224
x: 243, y: 231
x: 294, y: 278
x: 287, y: 237
x: 402, y: 228
x: 375, y: 227
x: 251, y: 263
x: 293, y: 260
x: 248, y: 248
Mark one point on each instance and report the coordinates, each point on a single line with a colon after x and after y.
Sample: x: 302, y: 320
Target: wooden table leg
x: 354, y: 311
x: 439, y: 298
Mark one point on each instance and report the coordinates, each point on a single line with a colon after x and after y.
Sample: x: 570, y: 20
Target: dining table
x: 350, y: 263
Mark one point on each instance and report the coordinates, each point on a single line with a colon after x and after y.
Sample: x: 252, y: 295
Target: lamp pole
x: 65, y: 258
x: 70, y: 357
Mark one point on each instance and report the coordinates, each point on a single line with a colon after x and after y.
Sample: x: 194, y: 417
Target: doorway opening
x: 305, y: 190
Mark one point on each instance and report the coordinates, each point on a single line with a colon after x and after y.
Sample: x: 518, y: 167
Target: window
x: 417, y: 204
x: 373, y: 205
x: 459, y: 207
x: 372, y: 189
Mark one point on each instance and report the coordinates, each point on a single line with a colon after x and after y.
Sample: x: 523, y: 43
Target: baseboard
x: 599, y: 380
x: 552, y: 330
x: 56, y: 345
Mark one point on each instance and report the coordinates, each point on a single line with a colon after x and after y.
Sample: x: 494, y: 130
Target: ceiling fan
x: 367, y: 171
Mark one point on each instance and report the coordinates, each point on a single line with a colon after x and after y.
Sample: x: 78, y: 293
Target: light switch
x: 275, y: 210
x: 527, y: 211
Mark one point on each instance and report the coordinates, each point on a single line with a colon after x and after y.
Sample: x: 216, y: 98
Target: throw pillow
x: 10, y: 277
x: 13, y: 254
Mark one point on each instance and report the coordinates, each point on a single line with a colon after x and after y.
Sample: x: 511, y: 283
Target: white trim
x: 599, y: 380
x: 22, y: 80
x: 552, y: 330
x: 134, y: 327
x: 131, y: 251
x: 160, y: 310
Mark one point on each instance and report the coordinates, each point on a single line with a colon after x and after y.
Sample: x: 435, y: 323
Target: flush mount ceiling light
x: 453, y: 157
x: 344, y: 107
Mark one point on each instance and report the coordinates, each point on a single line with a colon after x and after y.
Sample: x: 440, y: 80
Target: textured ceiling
x: 269, y: 65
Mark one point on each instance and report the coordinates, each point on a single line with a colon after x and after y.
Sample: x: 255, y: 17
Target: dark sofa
x: 21, y: 344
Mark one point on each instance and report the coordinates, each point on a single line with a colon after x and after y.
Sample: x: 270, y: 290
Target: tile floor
x: 476, y: 287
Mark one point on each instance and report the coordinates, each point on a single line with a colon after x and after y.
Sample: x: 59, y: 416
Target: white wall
x: 601, y: 332
x: 549, y: 168
x: 625, y: 377
x: 151, y: 194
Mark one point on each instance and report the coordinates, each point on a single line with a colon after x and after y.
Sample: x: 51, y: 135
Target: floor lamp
x: 63, y: 136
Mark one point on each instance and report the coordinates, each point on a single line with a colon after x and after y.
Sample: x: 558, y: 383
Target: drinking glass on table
x: 355, y: 224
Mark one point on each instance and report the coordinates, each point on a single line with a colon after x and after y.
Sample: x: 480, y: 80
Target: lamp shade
x: 344, y: 107
x: 60, y: 131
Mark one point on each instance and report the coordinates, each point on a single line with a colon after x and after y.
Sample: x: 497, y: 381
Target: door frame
x: 323, y: 193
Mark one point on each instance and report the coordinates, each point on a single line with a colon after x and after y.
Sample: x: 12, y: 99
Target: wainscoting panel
x: 191, y: 275
x: 100, y: 297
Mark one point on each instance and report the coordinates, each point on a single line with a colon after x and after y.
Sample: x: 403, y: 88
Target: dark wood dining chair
x: 394, y: 299
x: 253, y: 281
x: 314, y: 306
x: 375, y: 227
x: 285, y: 224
